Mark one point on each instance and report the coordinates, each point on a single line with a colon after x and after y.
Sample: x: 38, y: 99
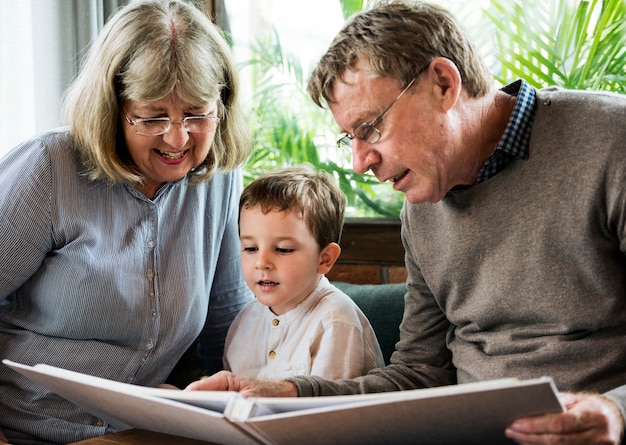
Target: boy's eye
x: 250, y: 249
x: 284, y: 250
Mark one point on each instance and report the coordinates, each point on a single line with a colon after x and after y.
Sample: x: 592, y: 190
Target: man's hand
x: 3, y: 439
x: 589, y: 419
x: 227, y: 381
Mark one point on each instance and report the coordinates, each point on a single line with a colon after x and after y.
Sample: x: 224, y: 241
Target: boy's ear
x: 328, y: 256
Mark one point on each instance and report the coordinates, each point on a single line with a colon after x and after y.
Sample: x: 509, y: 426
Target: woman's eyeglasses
x: 161, y: 125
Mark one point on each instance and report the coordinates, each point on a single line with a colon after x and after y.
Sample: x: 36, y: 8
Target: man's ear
x: 328, y: 256
x: 446, y: 81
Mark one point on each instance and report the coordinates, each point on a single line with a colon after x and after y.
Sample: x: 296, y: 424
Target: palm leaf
x: 575, y: 45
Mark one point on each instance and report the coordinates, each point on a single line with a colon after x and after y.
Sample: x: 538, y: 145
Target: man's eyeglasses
x: 367, y: 131
x: 160, y: 125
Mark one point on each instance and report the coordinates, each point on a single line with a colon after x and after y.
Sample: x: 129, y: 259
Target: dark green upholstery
x: 383, y: 304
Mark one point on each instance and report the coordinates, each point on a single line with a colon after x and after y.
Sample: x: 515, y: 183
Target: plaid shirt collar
x: 514, y: 141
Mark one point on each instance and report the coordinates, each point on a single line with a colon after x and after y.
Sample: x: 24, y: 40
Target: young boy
x: 290, y: 222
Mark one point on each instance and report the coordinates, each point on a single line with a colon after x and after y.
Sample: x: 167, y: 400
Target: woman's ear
x: 328, y: 256
x: 446, y: 80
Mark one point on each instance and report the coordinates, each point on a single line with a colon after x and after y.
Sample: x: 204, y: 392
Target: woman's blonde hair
x: 147, y: 51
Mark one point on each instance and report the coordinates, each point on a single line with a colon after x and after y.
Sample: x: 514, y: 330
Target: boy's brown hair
x: 313, y: 193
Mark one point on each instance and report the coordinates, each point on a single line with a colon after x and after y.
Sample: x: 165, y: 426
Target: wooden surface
x: 371, y: 252
x: 372, y: 241
x: 140, y: 437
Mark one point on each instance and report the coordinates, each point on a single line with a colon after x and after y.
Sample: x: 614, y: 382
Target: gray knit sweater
x: 523, y: 275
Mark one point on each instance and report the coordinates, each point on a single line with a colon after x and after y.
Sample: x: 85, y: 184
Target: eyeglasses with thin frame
x: 367, y: 131
x: 156, y: 126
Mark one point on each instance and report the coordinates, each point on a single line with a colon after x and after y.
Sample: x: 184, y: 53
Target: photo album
x: 471, y: 413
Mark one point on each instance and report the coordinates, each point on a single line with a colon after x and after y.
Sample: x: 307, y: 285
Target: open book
x: 474, y: 413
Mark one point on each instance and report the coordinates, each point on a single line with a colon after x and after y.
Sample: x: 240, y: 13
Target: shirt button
x: 150, y: 274
x: 99, y: 423
x: 150, y: 244
x: 153, y: 314
x: 272, y: 354
x: 276, y: 322
x: 149, y: 345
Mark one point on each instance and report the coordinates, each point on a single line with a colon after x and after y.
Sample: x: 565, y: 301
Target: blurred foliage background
x: 577, y: 44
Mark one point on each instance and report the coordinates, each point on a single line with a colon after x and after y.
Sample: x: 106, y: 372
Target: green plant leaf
x: 577, y: 45
x: 349, y: 7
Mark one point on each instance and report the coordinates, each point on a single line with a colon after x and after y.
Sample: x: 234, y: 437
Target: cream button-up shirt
x: 326, y: 335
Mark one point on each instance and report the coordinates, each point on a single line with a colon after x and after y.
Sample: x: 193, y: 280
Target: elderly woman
x: 119, y: 232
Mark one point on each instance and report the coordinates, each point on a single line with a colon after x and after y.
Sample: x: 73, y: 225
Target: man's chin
x: 417, y: 196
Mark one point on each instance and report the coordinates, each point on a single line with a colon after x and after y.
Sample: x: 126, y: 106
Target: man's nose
x: 363, y: 156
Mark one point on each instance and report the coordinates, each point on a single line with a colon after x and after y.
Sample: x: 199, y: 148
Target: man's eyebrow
x: 356, y: 122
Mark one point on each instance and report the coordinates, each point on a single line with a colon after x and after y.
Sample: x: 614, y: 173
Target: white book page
x: 461, y: 414
x: 124, y: 406
x: 287, y: 404
x: 213, y: 400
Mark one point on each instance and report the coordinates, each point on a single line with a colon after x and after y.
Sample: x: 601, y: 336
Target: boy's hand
x: 227, y: 381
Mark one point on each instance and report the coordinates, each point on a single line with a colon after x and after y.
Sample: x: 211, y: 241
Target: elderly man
x: 513, y: 225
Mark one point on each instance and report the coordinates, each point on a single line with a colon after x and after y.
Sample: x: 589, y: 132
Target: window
x: 16, y: 75
x: 41, y: 45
